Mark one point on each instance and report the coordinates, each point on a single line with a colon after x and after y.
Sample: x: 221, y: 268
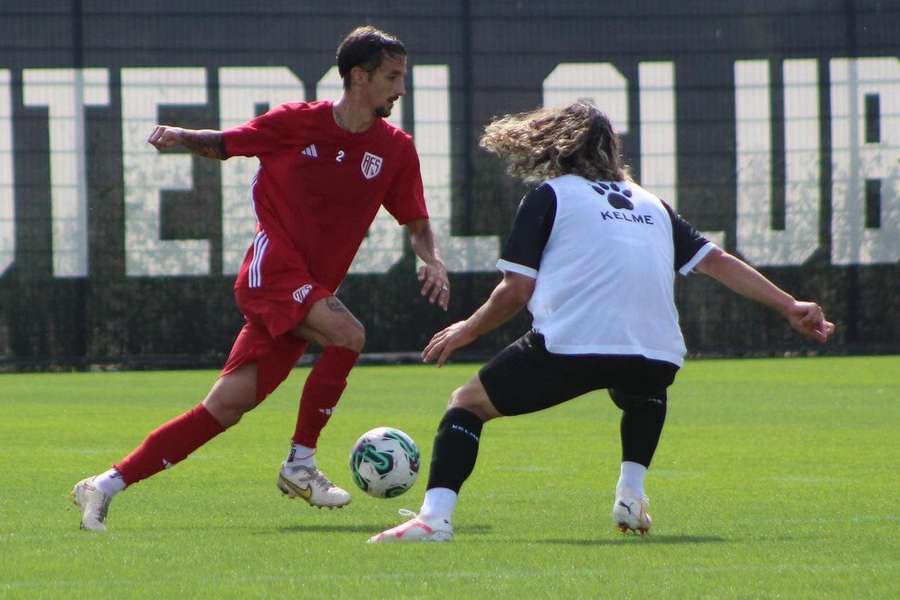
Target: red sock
x: 168, y: 444
x: 321, y: 393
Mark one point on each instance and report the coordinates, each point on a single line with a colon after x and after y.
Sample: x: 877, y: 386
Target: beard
x: 384, y: 111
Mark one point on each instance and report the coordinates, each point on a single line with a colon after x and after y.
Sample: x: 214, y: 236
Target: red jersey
x: 319, y: 188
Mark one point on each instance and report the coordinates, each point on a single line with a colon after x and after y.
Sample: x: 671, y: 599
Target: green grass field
x: 774, y: 479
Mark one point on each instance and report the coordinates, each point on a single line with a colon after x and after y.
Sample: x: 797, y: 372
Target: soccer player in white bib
x: 593, y: 255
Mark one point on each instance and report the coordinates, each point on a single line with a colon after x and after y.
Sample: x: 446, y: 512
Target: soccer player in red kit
x: 325, y: 169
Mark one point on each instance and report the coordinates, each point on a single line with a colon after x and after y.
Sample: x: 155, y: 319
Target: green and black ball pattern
x: 382, y: 461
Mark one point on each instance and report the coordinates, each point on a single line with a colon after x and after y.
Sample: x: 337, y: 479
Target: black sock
x: 455, y: 449
x: 640, y: 430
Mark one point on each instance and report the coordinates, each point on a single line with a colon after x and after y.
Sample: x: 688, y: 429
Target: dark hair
x: 366, y: 47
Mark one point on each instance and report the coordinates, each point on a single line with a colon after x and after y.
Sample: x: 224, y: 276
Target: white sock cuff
x: 109, y: 482
x: 633, y: 469
x: 300, y: 454
x: 631, y: 478
x: 438, y: 503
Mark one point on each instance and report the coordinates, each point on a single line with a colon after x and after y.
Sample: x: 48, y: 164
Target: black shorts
x: 524, y: 377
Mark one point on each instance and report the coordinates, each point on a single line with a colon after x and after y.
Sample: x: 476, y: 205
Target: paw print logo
x: 616, y: 196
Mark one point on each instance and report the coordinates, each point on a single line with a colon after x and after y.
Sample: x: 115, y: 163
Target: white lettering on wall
x: 600, y: 83
x: 241, y: 89
x: 659, y: 169
x: 865, y: 134
x: 659, y: 151
x: 147, y: 173
x: 431, y: 109
x: 65, y: 93
x: 7, y: 196
x: 865, y: 139
x: 757, y: 240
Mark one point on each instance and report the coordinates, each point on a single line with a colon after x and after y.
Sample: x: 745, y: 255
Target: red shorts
x: 270, y: 314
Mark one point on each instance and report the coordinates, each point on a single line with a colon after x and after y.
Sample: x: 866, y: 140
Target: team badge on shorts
x: 301, y: 293
x: 371, y: 165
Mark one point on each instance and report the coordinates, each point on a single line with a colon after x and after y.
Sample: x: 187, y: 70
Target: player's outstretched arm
x: 507, y: 299
x: 202, y: 142
x: 807, y: 318
x: 433, y: 274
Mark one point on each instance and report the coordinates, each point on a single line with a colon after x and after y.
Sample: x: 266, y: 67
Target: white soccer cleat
x: 310, y: 484
x: 630, y: 514
x: 417, y: 529
x: 93, y: 503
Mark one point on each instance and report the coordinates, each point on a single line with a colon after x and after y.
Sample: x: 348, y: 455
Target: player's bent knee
x: 356, y: 339
x: 471, y: 400
x: 226, y: 415
x: 232, y: 396
x: 351, y: 335
x: 631, y: 401
x: 228, y: 411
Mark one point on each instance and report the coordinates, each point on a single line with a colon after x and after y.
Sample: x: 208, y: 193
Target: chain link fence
x: 773, y: 127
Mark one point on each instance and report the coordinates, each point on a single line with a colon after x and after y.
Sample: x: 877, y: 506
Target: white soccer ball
x: 384, y: 462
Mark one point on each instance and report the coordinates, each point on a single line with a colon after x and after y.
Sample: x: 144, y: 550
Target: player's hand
x: 165, y: 136
x: 808, y: 319
x: 435, y: 283
x: 446, y: 342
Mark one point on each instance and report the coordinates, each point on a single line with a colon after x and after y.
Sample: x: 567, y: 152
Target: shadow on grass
x: 633, y: 539
x: 370, y: 529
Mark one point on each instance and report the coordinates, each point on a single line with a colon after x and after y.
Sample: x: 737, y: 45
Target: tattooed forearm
x: 205, y: 142
x: 335, y: 305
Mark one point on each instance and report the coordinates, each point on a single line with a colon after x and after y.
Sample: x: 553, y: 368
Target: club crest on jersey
x: 301, y: 293
x: 371, y: 165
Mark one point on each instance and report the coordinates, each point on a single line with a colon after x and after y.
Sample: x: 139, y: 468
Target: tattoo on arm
x: 206, y: 142
x: 335, y: 305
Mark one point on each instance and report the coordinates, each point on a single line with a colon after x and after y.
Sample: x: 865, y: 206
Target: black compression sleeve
x: 531, y: 228
x: 687, y: 240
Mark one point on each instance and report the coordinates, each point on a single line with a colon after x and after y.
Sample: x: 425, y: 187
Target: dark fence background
x: 774, y: 126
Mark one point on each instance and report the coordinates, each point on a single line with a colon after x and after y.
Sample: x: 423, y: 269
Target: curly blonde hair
x: 545, y: 143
